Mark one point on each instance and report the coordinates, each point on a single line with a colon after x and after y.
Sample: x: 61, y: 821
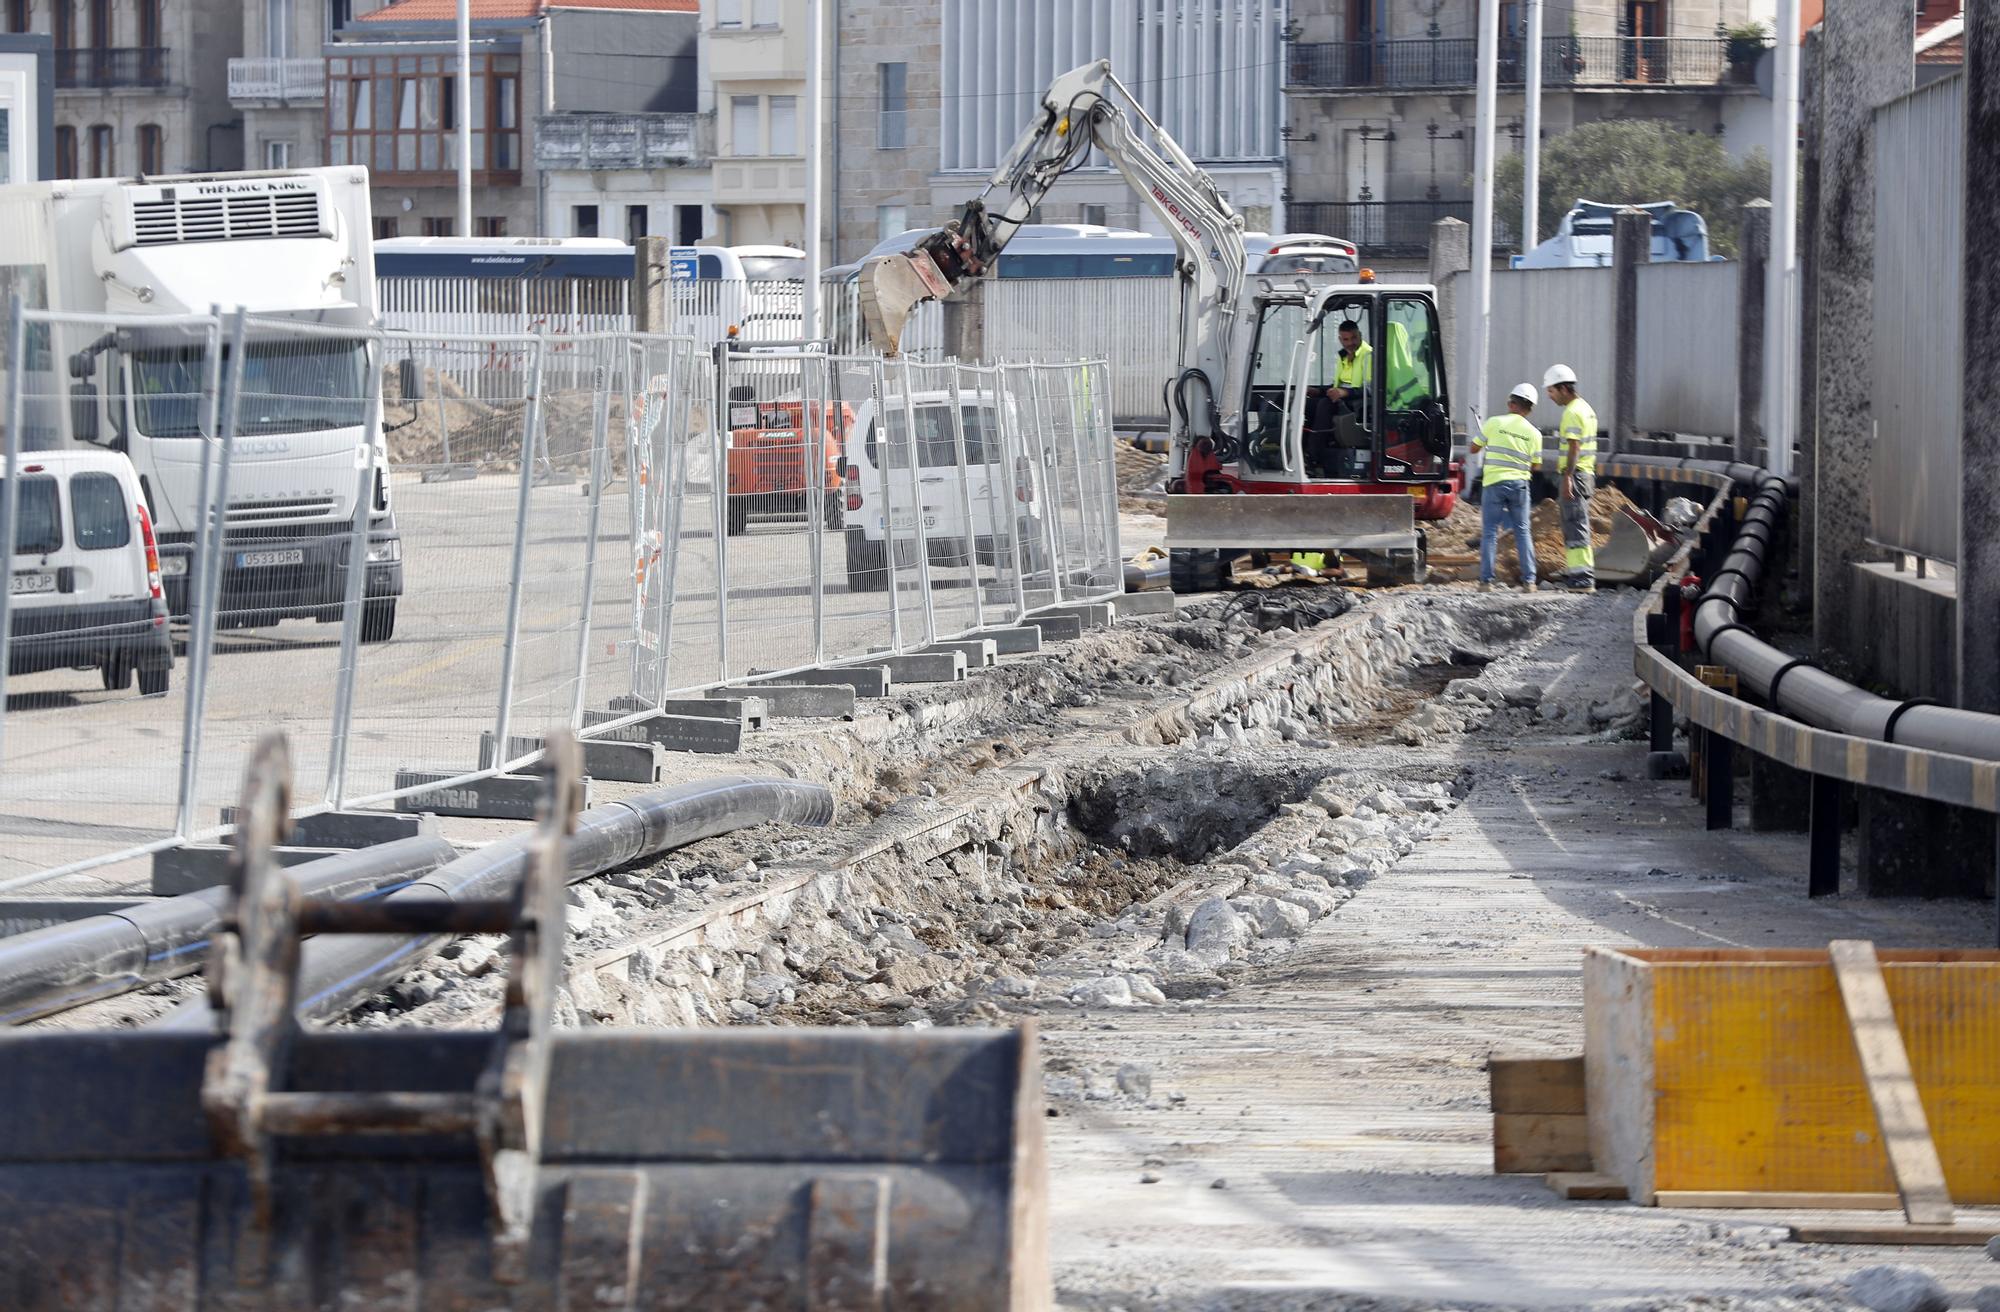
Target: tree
x: 1633, y: 162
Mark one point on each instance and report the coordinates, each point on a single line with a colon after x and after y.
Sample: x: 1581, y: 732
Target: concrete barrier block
x: 1092, y: 614
x: 809, y: 701
x: 673, y: 733
x: 1145, y: 603
x: 497, y: 797
x: 631, y: 763
x: 869, y: 678
x: 1056, y: 628
x: 928, y: 667
x: 1022, y: 641
x: 196, y: 866
x: 979, y: 653
x: 751, y: 712
x: 351, y: 828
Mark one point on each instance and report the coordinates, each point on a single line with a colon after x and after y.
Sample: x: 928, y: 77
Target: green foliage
x: 1747, y: 41
x: 1631, y: 162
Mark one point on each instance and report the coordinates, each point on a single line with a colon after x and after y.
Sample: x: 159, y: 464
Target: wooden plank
x: 1584, y: 1184
x: 1776, y: 1199
x: 1897, y: 1235
x: 1537, y: 1084
x: 1885, y: 1063
x: 1535, y: 1144
x: 1618, y: 1067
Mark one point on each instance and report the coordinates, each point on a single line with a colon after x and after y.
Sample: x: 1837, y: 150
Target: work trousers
x: 1503, y: 506
x: 1577, y: 554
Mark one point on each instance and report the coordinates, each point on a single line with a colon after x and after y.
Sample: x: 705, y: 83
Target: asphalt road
x: 88, y: 772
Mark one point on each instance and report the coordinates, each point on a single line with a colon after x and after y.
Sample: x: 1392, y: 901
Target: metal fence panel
x: 1127, y: 322
x: 1687, y: 348
x: 1919, y: 340
x: 1540, y: 317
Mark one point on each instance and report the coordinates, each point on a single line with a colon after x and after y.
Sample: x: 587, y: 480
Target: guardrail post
x: 1823, y: 852
x: 1660, y: 723
x: 1718, y: 770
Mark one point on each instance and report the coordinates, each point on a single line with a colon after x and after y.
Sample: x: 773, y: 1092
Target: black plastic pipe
x: 62, y: 966
x: 1803, y: 691
x: 335, y: 974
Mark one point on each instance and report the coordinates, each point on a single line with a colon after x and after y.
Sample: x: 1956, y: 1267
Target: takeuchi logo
x: 1175, y: 210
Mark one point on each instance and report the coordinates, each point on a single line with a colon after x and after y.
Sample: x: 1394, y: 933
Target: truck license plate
x: 32, y: 583
x: 256, y: 559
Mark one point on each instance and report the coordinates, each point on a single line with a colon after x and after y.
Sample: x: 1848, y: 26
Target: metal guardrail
x: 1388, y: 227
x: 623, y: 141
x: 124, y: 66
x: 1576, y: 61
x: 265, y: 80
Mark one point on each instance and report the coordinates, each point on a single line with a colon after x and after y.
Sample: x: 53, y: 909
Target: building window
x: 103, y: 159
x: 687, y: 224
x: 65, y: 24
x: 65, y: 152
x: 891, y: 81
x: 397, y: 115
x: 152, y: 149
x: 277, y: 154
x: 18, y: 16
x: 784, y: 125
x: 1093, y: 214
x: 764, y: 13
x: 505, y: 117
x: 729, y: 13
x: 149, y: 25
x: 492, y: 227
x: 339, y: 13
x: 387, y: 228
x: 583, y: 221
x: 891, y: 220
x: 744, y: 139
x: 635, y: 223
x: 100, y: 25
x: 440, y: 227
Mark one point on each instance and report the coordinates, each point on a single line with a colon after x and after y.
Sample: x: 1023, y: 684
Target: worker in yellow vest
x: 1576, y: 471
x: 1512, y: 450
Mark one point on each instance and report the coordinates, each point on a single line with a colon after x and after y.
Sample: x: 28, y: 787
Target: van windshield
x: 38, y: 521
x: 294, y: 386
x: 758, y: 268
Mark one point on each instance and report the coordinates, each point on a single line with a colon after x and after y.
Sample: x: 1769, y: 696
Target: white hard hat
x: 1525, y: 392
x: 1558, y: 373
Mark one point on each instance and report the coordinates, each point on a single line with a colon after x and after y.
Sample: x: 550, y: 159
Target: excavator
x: 1306, y: 416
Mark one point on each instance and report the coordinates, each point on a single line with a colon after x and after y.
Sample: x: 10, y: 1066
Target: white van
x: 881, y: 493
x: 86, y: 573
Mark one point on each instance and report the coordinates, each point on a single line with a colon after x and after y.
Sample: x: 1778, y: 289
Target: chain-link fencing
x: 418, y: 554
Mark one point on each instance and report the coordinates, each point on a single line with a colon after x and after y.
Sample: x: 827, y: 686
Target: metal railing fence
x: 1566, y: 61
x: 540, y: 540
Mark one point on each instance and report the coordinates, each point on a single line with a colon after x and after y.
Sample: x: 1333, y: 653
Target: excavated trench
x: 1131, y: 822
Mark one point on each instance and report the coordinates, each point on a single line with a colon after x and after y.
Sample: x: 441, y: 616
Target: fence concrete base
x: 628, y: 763
x: 1145, y: 603
x: 673, y: 733
x: 801, y: 701
x: 1092, y: 614
x: 197, y: 866
x: 1024, y: 641
x: 870, y: 680
x: 1057, y: 628
x: 350, y: 828
x: 502, y: 797
x: 750, y: 712
x: 979, y: 653
x: 927, y: 667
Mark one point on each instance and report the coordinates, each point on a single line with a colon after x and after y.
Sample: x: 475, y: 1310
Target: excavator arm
x: 1083, y: 110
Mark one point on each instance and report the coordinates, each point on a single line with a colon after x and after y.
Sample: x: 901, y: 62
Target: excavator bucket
x: 1639, y: 548
x: 266, y: 1167
x: 890, y: 287
x: 1293, y: 522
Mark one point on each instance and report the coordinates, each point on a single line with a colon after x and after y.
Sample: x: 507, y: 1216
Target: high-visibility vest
x: 1359, y: 371
x: 1579, y: 421
x: 1513, y: 449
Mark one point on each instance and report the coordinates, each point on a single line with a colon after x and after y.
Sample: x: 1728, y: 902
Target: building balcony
x: 623, y: 141
x: 265, y: 81
x: 759, y: 180
x: 1386, y: 227
x: 108, y: 67
x: 1567, y: 61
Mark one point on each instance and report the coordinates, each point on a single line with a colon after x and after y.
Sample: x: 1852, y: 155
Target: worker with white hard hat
x: 1576, y: 471
x: 1512, y: 449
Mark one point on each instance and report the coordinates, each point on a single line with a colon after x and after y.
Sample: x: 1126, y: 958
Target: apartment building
x: 931, y: 94
x: 754, y: 57
x: 27, y: 107
x: 140, y: 85
x: 1379, y: 97
x: 277, y: 78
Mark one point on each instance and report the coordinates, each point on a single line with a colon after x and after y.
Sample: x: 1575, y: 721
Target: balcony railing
x: 623, y: 141
x: 892, y: 129
x: 1386, y: 227
x: 277, y: 81
x: 1576, y: 61
x: 127, y: 66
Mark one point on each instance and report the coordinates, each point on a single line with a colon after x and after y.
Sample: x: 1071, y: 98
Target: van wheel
x: 378, y: 621
x: 1194, y: 569
x: 867, y: 564
x: 836, y: 510
x: 739, y: 515
x: 117, y: 674
x: 154, y: 683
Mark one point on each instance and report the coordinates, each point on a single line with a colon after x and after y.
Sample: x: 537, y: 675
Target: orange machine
x: 771, y: 459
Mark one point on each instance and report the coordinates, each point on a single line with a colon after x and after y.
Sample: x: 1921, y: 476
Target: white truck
x: 283, y: 246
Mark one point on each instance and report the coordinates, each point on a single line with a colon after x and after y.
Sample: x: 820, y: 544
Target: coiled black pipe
x: 1802, y: 691
x: 49, y: 970
x: 336, y: 973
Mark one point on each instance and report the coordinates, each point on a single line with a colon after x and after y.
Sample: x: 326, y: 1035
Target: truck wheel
x: 154, y: 683
x: 739, y: 515
x: 1194, y: 569
x: 867, y: 564
x: 117, y: 674
x: 378, y: 621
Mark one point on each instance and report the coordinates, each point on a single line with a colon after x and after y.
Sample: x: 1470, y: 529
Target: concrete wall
x: 866, y: 176
x: 1907, y: 631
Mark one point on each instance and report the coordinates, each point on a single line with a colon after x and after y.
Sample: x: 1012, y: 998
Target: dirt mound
x: 1458, y: 535
x: 1138, y: 472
